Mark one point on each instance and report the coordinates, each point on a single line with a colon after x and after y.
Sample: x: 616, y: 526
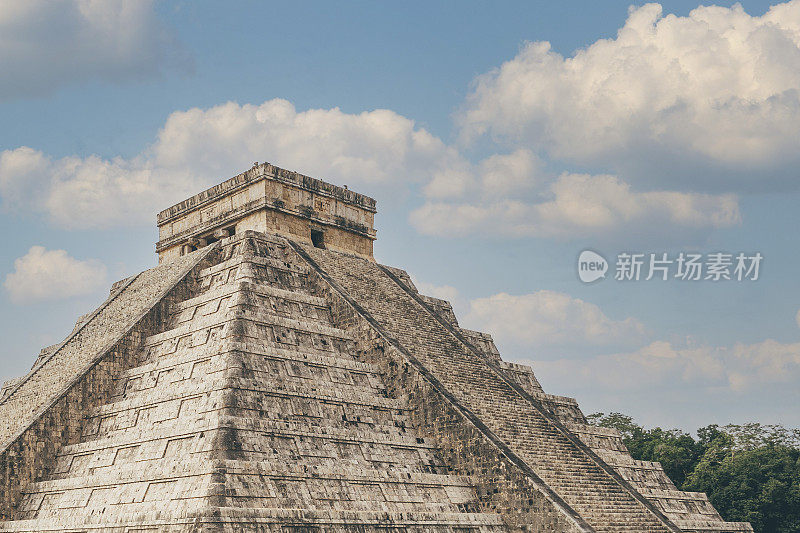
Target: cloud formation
x: 580, y: 205
x: 43, y: 274
x: 569, y: 340
x: 529, y: 322
x: 506, y: 194
x: 200, y: 147
x: 662, y: 364
x: 710, y: 100
x: 45, y: 45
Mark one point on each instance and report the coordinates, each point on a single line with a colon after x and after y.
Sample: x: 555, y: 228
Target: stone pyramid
x: 270, y: 376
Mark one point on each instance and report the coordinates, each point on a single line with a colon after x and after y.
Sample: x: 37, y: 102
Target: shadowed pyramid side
x: 545, y: 448
x: 589, y: 469
x: 692, y: 512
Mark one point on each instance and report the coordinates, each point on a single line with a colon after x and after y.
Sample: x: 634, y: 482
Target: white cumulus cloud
x: 201, y: 147
x: 740, y: 368
x: 580, y: 205
x: 43, y: 274
x: 528, y: 322
x: 506, y: 194
x: 708, y: 100
x: 443, y: 292
x: 47, y: 44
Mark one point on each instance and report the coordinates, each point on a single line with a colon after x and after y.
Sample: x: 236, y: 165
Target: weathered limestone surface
x: 689, y: 511
x: 274, y: 200
x: 91, y: 339
x: 463, y: 372
x: 249, y: 411
x: 44, y: 409
x: 536, y: 426
x: 261, y: 384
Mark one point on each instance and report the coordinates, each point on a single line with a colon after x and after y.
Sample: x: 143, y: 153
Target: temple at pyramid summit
x: 270, y: 376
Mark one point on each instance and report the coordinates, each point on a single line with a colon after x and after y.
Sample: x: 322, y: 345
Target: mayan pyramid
x: 270, y: 376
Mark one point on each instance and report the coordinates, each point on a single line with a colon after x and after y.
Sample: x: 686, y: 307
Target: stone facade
x: 264, y: 383
x: 270, y: 199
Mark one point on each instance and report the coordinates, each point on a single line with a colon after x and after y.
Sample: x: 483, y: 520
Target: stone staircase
x: 577, y: 461
x: 260, y: 394
x: 248, y: 412
x: 690, y: 511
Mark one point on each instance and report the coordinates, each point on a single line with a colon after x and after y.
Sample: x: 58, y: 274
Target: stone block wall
x: 270, y: 199
x: 250, y: 412
x: 260, y: 385
x: 53, y: 413
x: 504, y: 486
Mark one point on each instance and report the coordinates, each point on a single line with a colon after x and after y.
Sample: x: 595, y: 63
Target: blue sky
x: 495, y: 159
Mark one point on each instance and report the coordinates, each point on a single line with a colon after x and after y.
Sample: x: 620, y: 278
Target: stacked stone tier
x: 691, y: 512
x: 583, y: 482
x: 249, y: 412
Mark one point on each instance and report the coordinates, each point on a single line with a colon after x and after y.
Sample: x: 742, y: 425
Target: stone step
x: 558, y: 460
x: 261, y: 316
x: 388, y: 435
x: 282, y: 374
x: 206, y: 395
x: 371, y: 521
x: 195, y: 461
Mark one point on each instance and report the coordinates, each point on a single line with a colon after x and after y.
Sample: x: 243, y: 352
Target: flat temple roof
x: 267, y: 171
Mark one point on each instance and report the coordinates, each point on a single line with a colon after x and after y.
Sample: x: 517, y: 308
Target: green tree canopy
x: 751, y: 472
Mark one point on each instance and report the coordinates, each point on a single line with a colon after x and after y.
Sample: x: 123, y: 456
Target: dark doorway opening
x: 219, y: 235
x: 318, y: 238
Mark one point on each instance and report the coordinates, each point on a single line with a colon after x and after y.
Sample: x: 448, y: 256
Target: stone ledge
x: 267, y: 171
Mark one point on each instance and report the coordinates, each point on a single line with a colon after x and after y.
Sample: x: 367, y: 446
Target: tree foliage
x: 751, y: 472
